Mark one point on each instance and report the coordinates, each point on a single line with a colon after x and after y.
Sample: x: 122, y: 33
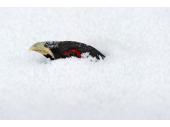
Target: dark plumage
x: 63, y: 49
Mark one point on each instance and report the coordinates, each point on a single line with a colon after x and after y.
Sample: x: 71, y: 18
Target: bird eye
x: 51, y: 44
x: 46, y: 44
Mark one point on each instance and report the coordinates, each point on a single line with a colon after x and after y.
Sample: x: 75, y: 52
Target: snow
x: 131, y: 83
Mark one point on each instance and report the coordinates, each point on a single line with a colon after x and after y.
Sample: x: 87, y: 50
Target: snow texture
x: 133, y: 82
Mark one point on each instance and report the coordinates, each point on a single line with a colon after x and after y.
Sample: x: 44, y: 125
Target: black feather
x: 58, y: 48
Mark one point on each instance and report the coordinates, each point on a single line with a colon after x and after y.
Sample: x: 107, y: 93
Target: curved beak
x: 37, y: 46
x: 40, y: 48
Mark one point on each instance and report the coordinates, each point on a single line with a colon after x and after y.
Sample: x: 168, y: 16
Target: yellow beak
x: 40, y: 48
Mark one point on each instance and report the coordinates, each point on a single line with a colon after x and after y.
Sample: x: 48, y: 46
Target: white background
x: 90, y: 3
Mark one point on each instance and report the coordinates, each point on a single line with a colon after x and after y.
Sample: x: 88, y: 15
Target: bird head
x: 44, y: 49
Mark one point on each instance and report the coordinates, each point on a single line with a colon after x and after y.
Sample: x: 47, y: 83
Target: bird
x: 65, y: 49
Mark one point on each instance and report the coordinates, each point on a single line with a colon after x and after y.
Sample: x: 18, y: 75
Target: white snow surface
x: 133, y: 82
